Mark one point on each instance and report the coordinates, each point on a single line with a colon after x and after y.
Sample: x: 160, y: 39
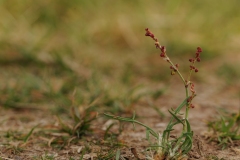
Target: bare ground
x: 38, y: 146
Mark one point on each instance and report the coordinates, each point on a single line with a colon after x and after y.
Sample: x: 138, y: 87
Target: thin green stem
x: 186, y: 112
x: 188, y: 80
x: 186, y: 90
x: 180, y: 75
x: 190, y: 72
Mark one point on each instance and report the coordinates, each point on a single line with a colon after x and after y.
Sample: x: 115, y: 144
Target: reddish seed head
x: 171, y: 67
x: 162, y: 55
x: 192, y: 85
x: 190, y: 60
x: 198, y: 59
x: 192, y: 106
x: 157, y: 44
x: 199, y: 49
x: 192, y: 67
x: 197, y: 54
x: 163, y: 49
x: 177, y: 65
x: 196, y: 70
x: 148, y: 33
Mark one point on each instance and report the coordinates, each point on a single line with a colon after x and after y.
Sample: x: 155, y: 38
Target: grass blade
x: 188, y: 126
x: 175, y: 117
x: 181, y: 105
x: 29, y: 134
x: 118, y: 154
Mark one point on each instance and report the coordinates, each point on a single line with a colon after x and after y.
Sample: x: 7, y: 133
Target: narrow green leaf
x: 188, y: 126
x: 81, y: 158
x: 236, y: 137
x: 133, y: 115
x: 230, y: 125
x: 181, y: 105
x: 223, y: 124
x: 188, y: 140
x: 166, y: 133
x: 168, y: 130
x: 118, y: 154
x: 187, y: 144
x: 147, y: 134
x: 29, y: 134
x: 173, y: 124
x: 133, y: 122
x: 176, y: 117
x: 153, y: 133
x: 107, y: 130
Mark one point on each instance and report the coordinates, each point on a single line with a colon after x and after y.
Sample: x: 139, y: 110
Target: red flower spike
x: 196, y: 70
x: 198, y: 59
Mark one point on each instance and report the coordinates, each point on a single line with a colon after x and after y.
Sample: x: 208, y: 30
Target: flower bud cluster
x: 174, y: 69
x: 195, y: 59
x: 150, y: 34
x: 192, y: 96
x: 192, y: 106
x: 192, y: 88
x: 158, y: 46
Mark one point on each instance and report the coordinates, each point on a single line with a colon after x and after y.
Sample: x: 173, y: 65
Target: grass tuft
x: 226, y: 129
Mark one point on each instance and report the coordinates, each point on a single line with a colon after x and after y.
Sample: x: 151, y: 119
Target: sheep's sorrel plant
x: 171, y: 146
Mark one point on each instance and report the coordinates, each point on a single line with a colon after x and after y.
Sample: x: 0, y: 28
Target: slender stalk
x: 188, y: 80
x: 180, y: 75
x: 186, y: 90
x: 190, y: 72
x: 186, y: 113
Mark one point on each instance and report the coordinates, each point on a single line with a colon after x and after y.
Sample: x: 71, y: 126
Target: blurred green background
x: 66, y: 53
